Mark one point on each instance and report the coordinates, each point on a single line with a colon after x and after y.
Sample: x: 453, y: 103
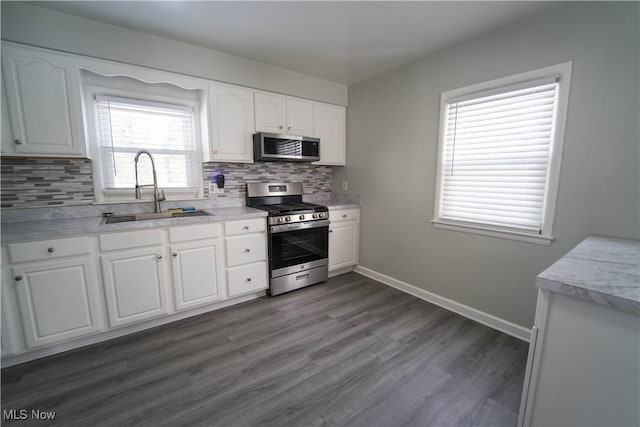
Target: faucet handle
x: 161, y: 195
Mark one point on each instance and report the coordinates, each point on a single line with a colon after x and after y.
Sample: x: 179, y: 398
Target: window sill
x: 494, y: 232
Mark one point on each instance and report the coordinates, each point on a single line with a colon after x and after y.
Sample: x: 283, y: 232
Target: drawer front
x: 247, y: 278
x: 253, y: 225
x: 130, y: 239
x: 246, y: 249
x: 48, y: 249
x: 194, y: 232
x: 344, y: 215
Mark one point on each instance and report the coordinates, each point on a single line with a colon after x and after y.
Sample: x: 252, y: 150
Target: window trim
x: 563, y: 70
x: 111, y: 195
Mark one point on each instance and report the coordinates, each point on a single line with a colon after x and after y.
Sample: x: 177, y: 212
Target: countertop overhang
x: 603, y: 270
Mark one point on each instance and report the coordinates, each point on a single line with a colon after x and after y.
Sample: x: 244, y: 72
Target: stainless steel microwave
x: 271, y: 147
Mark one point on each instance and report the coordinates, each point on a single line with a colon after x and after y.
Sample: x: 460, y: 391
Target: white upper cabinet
x: 299, y: 117
x: 43, y: 102
x: 231, y: 123
x: 329, y: 124
x: 283, y: 115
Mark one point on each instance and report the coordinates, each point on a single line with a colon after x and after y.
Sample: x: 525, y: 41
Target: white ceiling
x: 344, y: 42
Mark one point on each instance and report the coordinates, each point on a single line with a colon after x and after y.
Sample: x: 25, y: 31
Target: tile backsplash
x: 316, y: 179
x: 44, y: 182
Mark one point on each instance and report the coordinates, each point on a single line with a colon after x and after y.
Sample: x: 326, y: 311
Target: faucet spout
x: 158, y: 195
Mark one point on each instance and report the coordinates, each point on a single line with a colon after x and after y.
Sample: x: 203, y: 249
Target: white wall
x: 392, y: 135
x: 30, y: 24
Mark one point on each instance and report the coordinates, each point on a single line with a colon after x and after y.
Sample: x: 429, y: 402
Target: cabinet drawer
x: 253, y: 225
x: 344, y: 215
x: 247, y: 278
x: 245, y: 249
x: 194, y: 232
x: 48, y: 249
x: 130, y: 239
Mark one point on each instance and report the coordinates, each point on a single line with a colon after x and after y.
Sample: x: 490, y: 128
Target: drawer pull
x: 18, y: 278
x: 344, y: 215
x: 17, y: 141
x: 247, y: 250
x: 248, y: 279
x: 302, y: 276
x: 158, y: 256
x: 246, y: 227
x: 51, y: 250
x: 175, y: 254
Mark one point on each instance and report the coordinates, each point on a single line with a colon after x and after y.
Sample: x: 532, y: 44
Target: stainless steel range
x: 298, y: 235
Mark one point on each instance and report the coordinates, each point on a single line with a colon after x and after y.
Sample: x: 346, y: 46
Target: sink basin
x: 114, y: 219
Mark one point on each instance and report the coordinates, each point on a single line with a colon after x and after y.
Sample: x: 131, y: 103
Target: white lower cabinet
x: 135, y: 285
x: 57, y: 300
x: 134, y: 275
x: 246, y: 256
x: 344, y: 233
x: 197, y: 265
x: 54, y: 298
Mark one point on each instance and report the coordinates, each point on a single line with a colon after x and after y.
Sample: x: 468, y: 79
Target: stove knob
x: 314, y: 216
x: 280, y: 219
x: 301, y: 217
x: 288, y: 219
x: 321, y: 215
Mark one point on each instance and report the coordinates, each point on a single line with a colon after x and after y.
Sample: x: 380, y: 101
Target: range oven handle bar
x: 299, y: 226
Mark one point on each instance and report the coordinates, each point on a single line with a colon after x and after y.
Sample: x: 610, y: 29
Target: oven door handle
x: 299, y: 226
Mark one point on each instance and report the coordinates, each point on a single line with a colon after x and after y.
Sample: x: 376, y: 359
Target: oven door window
x: 299, y: 247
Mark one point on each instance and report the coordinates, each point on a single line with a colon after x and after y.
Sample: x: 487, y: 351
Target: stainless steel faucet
x: 158, y: 195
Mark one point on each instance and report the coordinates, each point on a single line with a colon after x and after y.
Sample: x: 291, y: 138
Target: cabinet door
x: 270, y: 113
x: 232, y: 124
x: 57, y: 301
x: 299, y: 117
x: 343, y: 245
x: 329, y: 124
x: 135, y: 285
x: 197, y: 273
x: 44, y: 103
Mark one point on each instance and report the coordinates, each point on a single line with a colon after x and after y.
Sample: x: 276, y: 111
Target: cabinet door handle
x: 248, y: 279
x: 247, y: 250
x: 280, y: 127
x: 289, y: 128
x: 246, y: 227
x: 158, y: 256
x: 18, y: 278
x: 215, y: 151
x: 330, y: 231
x: 51, y: 250
x: 344, y: 215
x: 175, y: 254
x: 17, y: 141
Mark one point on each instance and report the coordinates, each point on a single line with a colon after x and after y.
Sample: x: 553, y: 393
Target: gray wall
x: 30, y: 24
x: 392, y: 135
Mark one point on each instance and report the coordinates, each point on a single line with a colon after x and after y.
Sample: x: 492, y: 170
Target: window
x: 126, y: 126
x: 126, y: 115
x: 499, y: 153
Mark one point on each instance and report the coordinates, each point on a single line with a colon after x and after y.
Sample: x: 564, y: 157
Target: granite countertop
x: 56, y: 228
x: 603, y: 270
x: 335, y: 204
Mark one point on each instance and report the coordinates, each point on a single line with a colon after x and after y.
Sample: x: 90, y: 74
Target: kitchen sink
x: 114, y: 219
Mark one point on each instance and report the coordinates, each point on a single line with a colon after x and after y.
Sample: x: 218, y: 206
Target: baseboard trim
x: 461, y: 309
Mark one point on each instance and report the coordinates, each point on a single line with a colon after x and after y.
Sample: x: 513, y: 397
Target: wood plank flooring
x: 349, y: 352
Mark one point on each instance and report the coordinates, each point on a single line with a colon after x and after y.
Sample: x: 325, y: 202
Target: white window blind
x: 126, y: 126
x: 496, y: 153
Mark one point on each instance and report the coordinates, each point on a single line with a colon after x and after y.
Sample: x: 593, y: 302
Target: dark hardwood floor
x: 349, y: 352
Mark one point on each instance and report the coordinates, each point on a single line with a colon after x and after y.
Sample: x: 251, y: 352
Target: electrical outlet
x: 345, y: 186
x: 213, y: 189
